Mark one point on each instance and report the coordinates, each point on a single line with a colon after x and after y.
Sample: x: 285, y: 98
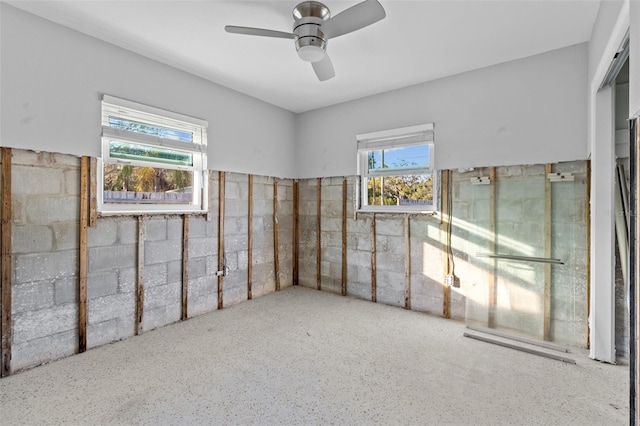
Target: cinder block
x: 121, y: 305
x: 31, y: 296
x: 174, y: 271
x: 105, y: 233
x: 101, y: 284
x: 160, y: 316
x: 163, y: 295
x: 197, y: 268
x: 45, y: 266
x: 31, y: 239
x: 155, y: 229
x: 45, y: 349
x: 127, y: 231
x: 66, y: 235
x: 127, y: 280
x: 155, y: 275
x: 174, y: 228
x: 47, y: 209
x: 201, y: 247
x: 65, y: 290
x: 32, y: 325
x: 72, y: 182
x: 112, y: 257
x: 162, y: 251
x: 36, y: 180
x: 197, y: 227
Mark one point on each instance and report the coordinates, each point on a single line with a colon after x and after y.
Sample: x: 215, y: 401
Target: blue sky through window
x: 400, y: 158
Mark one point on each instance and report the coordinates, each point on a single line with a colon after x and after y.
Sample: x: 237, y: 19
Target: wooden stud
x: 344, y: 236
x: 5, y: 361
x: 140, y: 276
x: 296, y: 230
x: 93, y: 192
x: 492, y: 248
x: 407, y: 262
x: 319, y: 235
x: 185, y: 268
x: 444, y: 222
x: 588, y: 213
x: 546, y: 334
x: 83, y: 251
x: 221, y: 265
x: 276, y: 250
x: 250, y: 240
x: 374, y: 290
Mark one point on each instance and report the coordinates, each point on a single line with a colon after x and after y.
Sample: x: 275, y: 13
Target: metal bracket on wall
x: 560, y: 177
x: 480, y: 180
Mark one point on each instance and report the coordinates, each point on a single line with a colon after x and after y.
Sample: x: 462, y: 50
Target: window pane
x: 131, y: 151
x: 134, y: 184
x: 149, y: 129
x: 405, y: 190
x: 406, y: 157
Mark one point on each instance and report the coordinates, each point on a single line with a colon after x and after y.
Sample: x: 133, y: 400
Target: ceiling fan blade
x: 354, y: 18
x: 324, y: 68
x: 257, y: 32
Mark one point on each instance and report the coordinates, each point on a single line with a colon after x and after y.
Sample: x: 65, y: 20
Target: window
x: 396, y: 170
x: 153, y: 161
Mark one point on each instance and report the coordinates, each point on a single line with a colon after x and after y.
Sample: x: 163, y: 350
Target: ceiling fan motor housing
x: 310, y: 41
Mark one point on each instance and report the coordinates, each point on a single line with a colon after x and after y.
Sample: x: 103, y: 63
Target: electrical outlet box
x: 452, y: 281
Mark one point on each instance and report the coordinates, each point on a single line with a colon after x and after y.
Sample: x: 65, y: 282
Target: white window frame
x: 162, y: 118
x: 394, y: 138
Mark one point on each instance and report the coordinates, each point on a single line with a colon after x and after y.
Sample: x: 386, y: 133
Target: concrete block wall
x: 45, y: 209
x: 45, y: 255
x: 519, y: 230
x: 520, y: 213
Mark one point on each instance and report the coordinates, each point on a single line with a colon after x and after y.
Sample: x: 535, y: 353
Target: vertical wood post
x: 319, y: 235
x: 83, y: 248
x: 446, y: 290
x: 185, y: 268
x: 492, y: 247
x: 546, y: 334
x: 140, y: 276
x: 296, y: 230
x: 221, y: 265
x: 250, y: 240
x: 407, y: 262
x: 374, y: 290
x: 6, y: 263
x: 588, y: 213
x: 276, y: 254
x: 344, y: 236
x: 93, y: 192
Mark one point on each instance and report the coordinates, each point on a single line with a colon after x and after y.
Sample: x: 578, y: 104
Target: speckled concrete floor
x: 305, y: 357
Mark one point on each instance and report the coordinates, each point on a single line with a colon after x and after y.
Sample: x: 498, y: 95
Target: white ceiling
x: 418, y: 41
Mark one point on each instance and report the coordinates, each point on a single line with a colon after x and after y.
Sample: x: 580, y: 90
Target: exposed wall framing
x: 319, y: 234
x: 373, y: 259
x: 184, y: 311
x: 344, y: 237
x: 250, y: 238
x: 407, y: 261
x: 492, y: 281
x: 221, y: 262
x: 276, y: 245
x: 140, y: 276
x: 444, y: 221
x: 6, y: 262
x: 547, y: 253
x: 83, y: 260
x: 296, y: 230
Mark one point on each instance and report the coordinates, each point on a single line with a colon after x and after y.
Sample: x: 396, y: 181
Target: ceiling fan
x: 313, y: 26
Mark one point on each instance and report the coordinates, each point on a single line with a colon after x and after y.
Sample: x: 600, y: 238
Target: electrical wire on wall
x: 451, y: 265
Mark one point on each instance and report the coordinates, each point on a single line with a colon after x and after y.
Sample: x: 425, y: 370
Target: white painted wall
x: 53, y: 77
x: 532, y: 110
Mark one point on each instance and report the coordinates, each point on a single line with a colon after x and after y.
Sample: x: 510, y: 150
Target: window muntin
x: 152, y: 160
x: 396, y: 170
